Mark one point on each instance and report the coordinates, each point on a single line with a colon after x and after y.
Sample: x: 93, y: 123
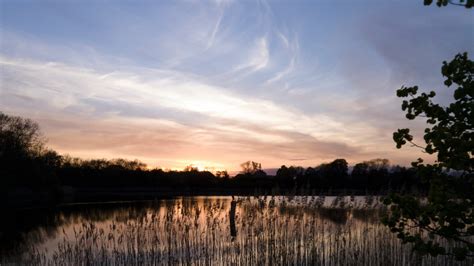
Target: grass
x: 298, y: 230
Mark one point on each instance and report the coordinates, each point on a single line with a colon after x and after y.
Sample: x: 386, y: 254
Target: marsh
x: 271, y: 230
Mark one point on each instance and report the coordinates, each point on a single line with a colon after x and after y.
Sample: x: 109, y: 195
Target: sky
x: 217, y: 83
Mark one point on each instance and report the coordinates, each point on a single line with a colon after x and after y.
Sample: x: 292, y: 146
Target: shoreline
x: 67, y: 196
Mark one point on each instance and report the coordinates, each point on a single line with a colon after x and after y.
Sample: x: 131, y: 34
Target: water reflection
x: 209, y: 230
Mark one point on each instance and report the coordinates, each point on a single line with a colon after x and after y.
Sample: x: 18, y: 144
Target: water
x: 210, y: 231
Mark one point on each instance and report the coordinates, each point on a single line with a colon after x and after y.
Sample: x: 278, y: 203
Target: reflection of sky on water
x: 316, y: 228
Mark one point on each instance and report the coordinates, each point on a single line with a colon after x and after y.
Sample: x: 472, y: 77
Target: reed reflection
x: 195, y: 230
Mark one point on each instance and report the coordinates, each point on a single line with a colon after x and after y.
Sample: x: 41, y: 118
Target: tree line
x: 26, y: 162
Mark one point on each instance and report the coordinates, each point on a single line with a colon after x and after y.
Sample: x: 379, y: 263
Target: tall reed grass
x: 301, y: 230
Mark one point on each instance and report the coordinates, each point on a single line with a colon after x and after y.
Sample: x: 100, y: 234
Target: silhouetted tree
x: 335, y: 172
x: 360, y: 175
x: 250, y: 167
x: 222, y: 174
x: 449, y: 135
x: 190, y: 168
x: 286, y: 177
x: 23, y: 159
x: 377, y: 176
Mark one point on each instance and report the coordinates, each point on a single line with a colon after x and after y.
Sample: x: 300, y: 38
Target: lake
x: 300, y: 230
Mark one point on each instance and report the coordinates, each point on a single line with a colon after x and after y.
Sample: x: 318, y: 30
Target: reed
x: 271, y: 230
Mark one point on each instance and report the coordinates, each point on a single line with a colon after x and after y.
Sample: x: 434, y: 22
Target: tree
x: 191, y: 168
x: 23, y: 159
x: 19, y: 137
x: 371, y: 174
x: 441, y: 3
x: 448, y: 211
x: 288, y: 177
x: 334, y: 173
x: 250, y: 167
x: 360, y: 174
x: 222, y: 174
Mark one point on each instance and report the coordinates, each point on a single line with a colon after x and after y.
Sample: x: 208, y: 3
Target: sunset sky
x: 216, y: 83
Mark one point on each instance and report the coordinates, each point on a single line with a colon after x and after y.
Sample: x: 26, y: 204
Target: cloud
x: 221, y: 5
x: 284, y: 39
x: 73, y: 87
x: 283, y: 73
x: 224, y: 82
x: 223, y: 2
x: 212, y: 38
x: 292, y: 50
x: 137, y: 114
x: 259, y: 57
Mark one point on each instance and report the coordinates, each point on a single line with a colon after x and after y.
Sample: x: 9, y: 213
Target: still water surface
x: 210, y: 231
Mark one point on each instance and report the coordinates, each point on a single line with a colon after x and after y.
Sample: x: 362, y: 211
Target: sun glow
x: 209, y: 166
x: 199, y: 167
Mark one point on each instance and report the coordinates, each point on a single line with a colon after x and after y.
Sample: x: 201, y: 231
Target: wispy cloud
x: 258, y: 58
x: 228, y: 122
x: 214, y: 31
x: 221, y: 5
x: 284, y: 72
x: 222, y: 81
x: 72, y: 86
x: 284, y: 39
